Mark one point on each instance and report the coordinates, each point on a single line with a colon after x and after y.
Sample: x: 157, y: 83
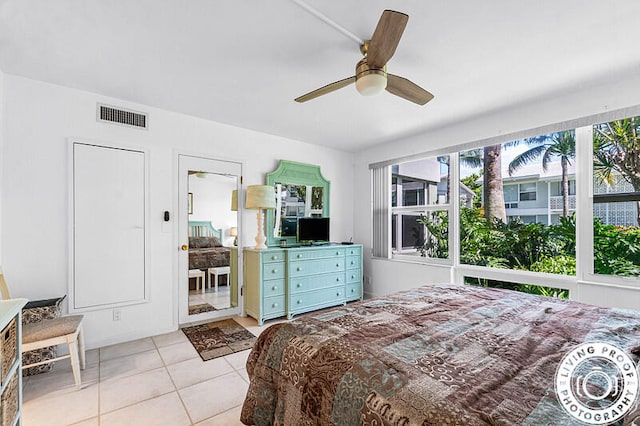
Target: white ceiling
x: 242, y: 62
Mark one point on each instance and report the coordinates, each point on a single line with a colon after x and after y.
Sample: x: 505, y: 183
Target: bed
x: 436, y: 355
x: 205, y: 246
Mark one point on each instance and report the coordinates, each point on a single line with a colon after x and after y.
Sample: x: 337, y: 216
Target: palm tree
x: 616, y: 148
x: 561, y: 145
x: 493, y: 190
x: 489, y: 158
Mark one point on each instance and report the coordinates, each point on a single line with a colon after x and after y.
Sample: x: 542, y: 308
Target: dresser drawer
x: 8, y: 348
x: 301, y: 301
x: 306, y: 254
x: 354, y: 276
x: 10, y: 401
x: 354, y: 291
x: 296, y: 285
x: 354, y: 251
x: 271, y: 271
x: 273, y: 306
x: 273, y: 288
x: 318, y: 266
x: 273, y: 256
x: 353, y: 261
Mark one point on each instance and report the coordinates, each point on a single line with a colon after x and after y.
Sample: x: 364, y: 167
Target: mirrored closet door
x: 208, y: 239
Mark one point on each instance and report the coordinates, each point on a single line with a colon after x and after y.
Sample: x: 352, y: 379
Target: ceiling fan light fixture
x: 371, y: 84
x: 370, y: 81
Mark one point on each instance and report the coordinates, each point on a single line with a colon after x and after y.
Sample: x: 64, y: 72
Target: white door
x: 108, y: 227
x: 205, y: 187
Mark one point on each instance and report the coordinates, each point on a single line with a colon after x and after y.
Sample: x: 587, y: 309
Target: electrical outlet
x: 116, y: 314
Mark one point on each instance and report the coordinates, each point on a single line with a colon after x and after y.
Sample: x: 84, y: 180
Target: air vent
x: 109, y: 114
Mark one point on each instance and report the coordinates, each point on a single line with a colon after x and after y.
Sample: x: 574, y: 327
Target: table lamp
x: 234, y: 233
x: 260, y: 197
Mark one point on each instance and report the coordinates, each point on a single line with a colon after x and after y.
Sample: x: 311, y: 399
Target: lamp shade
x: 260, y: 197
x: 234, y: 200
x: 233, y: 231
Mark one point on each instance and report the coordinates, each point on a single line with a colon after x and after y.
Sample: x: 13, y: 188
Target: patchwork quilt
x: 440, y: 355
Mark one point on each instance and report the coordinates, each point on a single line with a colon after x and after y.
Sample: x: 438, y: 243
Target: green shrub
x: 531, y: 246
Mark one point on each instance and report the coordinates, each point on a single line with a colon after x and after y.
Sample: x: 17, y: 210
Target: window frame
x: 584, y: 209
x: 411, y: 255
x: 534, y: 192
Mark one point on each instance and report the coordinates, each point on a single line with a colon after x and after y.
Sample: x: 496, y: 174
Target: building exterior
x: 533, y: 195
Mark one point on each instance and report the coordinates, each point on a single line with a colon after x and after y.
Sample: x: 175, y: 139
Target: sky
x: 508, y: 154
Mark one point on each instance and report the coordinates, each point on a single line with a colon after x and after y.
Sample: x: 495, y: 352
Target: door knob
x: 184, y: 247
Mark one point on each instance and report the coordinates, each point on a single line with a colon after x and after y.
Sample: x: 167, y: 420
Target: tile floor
x: 159, y: 380
x: 219, y: 300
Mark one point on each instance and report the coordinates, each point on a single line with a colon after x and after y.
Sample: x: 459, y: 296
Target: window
x: 523, y: 288
x: 419, y: 224
x: 510, y: 193
x: 616, y: 197
x: 527, y: 191
x: 555, y: 188
x: 514, y: 222
x: 523, y: 239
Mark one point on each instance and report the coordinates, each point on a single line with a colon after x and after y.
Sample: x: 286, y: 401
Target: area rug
x: 219, y: 338
x: 198, y: 309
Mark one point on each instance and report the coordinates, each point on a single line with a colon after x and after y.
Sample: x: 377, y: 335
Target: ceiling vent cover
x: 109, y: 114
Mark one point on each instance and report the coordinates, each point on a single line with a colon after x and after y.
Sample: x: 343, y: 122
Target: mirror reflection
x: 212, y: 234
x: 294, y: 201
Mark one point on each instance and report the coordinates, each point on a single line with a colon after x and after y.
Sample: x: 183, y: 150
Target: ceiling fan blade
x: 386, y: 37
x: 326, y: 89
x: 408, y: 90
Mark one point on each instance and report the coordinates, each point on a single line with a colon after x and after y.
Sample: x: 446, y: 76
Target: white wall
x: 1, y: 150
x: 212, y: 202
x: 572, y: 103
x: 38, y: 120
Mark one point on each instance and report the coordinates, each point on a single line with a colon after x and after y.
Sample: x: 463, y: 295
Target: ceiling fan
x: 371, y: 71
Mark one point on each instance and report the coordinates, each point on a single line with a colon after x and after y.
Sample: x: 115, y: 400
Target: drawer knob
x: 275, y: 305
x: 337, y: 253
x: 353, y: 290
x: 274, y: 271
x: 338, y: 293
x: 299, y: 285
x: 353, y: 263
x: 299, y: 256
x: 338, y: 279
x: 299, y: 302
x: 353, y: 277
x: 274, y: 288
x: 298, y: 269
x: 274, y: 257
x: 337, y: 265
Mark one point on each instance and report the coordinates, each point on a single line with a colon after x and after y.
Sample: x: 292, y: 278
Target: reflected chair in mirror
x: 51, y: 332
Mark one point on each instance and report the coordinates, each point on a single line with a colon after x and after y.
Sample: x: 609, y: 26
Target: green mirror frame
x: 293, y: 173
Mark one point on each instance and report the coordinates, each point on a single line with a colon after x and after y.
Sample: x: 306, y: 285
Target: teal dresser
x: 354, y: 272
x: 292, y: 281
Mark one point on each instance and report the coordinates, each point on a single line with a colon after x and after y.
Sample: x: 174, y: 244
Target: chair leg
x: 75, y: 362
x: 81, y: 351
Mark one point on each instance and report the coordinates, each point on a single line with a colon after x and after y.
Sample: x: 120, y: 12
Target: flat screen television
x: 313, y: 229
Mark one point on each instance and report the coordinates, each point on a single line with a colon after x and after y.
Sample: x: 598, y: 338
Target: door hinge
x: 241, y: 180
x: 241, y: 291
